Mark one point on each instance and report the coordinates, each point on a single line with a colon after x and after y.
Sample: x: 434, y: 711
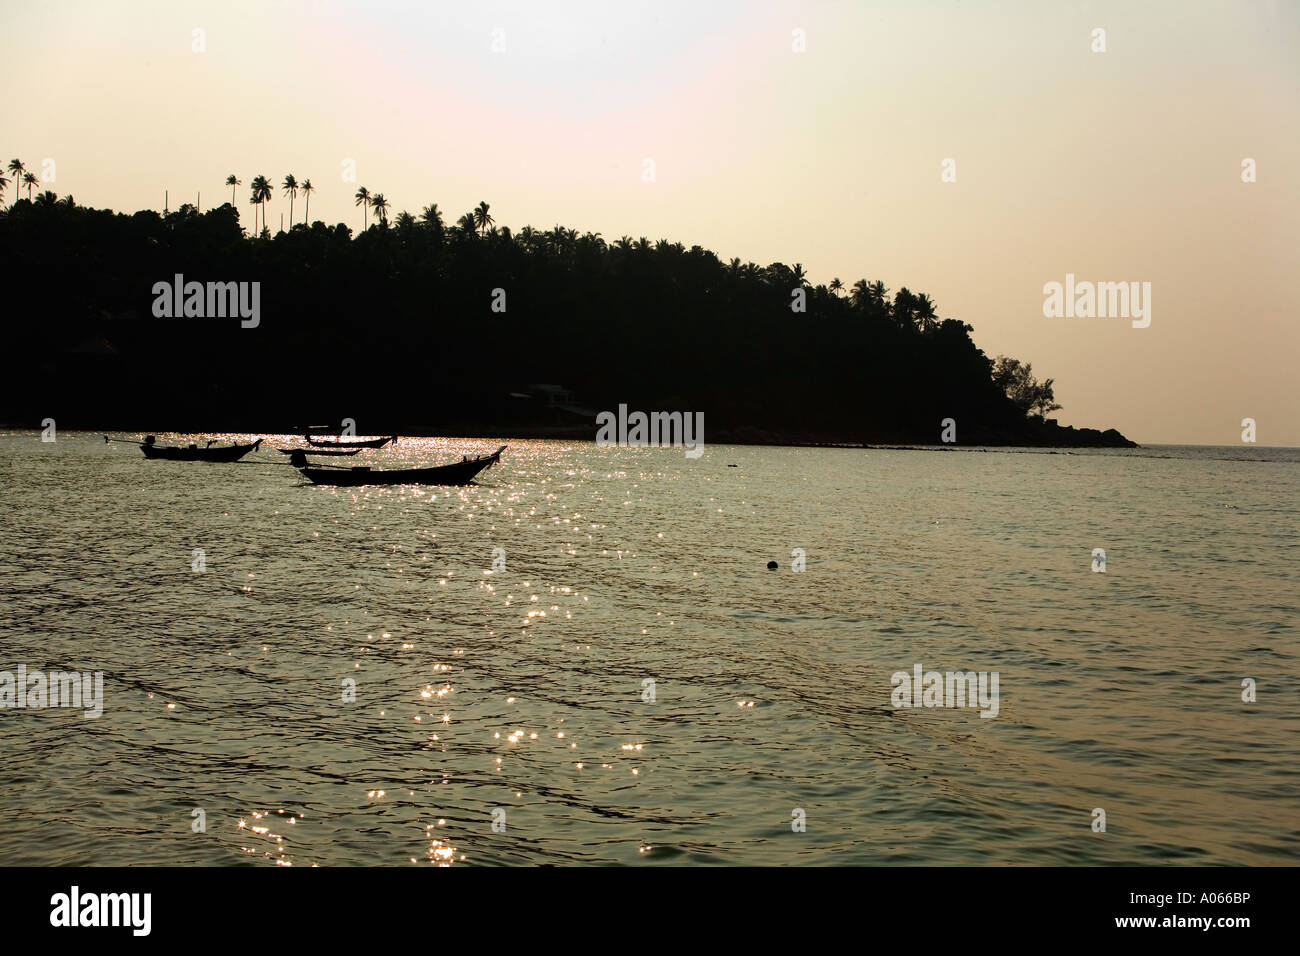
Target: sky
x: 810, y: 132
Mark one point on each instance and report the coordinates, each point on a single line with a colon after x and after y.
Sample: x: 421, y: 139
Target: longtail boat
x: 224, y: 453
x: 322, y: 451
x: 457, y: 473
x: 335, y: 443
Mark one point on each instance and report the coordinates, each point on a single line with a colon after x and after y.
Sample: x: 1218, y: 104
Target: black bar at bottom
x: 494, y: 906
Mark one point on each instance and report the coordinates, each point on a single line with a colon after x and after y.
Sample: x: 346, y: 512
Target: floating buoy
x: 772, y: 565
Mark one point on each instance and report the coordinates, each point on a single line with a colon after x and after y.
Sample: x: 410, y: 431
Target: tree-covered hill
x: 417, y: 325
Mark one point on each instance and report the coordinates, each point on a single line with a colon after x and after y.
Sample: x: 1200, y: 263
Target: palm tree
x: 307, y: 189
x: 904, y: 307
x: 433, y: 224
x: 481, y: 218
x: 800, y: 276
x: 3, y: 183
x: 380, y: 205
x: 262, y: 191
x: 466, y: 224
x: 30, y: 181
x: 924, y: 313
x: 232, y: 181
x: 290, y: 190
x: 268, y: 193
x: 17, y: 167
x: 861, y: 293
x: 363, y: 200
x: 836, y: 285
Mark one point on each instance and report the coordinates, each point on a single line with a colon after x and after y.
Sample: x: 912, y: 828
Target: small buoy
x: 772, y: 565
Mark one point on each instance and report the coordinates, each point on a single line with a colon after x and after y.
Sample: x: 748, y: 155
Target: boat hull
x: 457, y: 473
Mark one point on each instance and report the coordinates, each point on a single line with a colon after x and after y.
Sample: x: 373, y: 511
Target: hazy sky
x: 1117, y: 166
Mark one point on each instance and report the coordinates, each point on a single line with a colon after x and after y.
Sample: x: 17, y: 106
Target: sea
x: 585, y: 658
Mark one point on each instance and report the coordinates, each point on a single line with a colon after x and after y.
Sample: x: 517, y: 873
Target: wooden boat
x: 457, y: 473
x: 336, y: 443
x: 322, y: 451
x: 232, y: 452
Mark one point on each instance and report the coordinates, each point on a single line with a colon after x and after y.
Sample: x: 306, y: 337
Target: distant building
x: 554, y: 404
x: 94, y: 345
x: 553, y: 394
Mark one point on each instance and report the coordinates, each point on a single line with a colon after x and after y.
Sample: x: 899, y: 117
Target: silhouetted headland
x: 418, y: 327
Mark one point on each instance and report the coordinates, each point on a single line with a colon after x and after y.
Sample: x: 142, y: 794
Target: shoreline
x: 587, y: 435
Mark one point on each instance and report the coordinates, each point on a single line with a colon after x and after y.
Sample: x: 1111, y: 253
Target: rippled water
x: 522, y: 690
